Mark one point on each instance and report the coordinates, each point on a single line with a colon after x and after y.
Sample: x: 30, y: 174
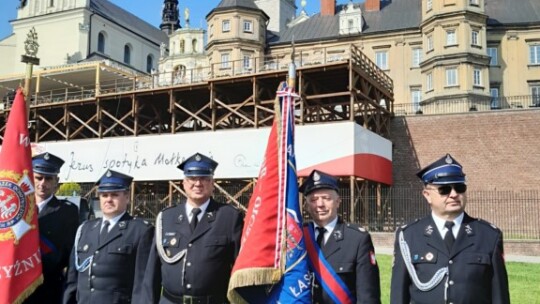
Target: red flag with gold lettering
x: 20, y: 259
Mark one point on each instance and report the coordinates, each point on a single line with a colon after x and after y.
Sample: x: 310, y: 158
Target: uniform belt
x: 185, y: 299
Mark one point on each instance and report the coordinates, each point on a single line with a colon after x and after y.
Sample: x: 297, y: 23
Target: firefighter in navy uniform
x: 110, y: 254
x: 347, y: 247
x: 448, y: 256
x: 58, y: 221
x: 196, y: 243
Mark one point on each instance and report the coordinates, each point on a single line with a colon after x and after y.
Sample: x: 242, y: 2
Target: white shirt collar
x: 439, y: 222
x: 44, y: 203
x: 329, y: 228
x: 113, y: 221
x: 203, y: 207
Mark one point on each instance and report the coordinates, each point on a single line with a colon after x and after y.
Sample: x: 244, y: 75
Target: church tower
x: 169, y: 18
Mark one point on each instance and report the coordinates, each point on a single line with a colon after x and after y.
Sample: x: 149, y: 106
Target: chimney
x: 373, y: 5
x: 328, y: 7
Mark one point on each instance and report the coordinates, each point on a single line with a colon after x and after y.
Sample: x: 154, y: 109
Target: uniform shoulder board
x: 236, y: 208
x: 233, y: 206
x: 141, y: 220
x: 355, y: 227
x: 488, y: 223
x: 95, y: 221
x: 66, y: 202
x: 87, y: 221
x: 168, y: 208
x: 403, y: 227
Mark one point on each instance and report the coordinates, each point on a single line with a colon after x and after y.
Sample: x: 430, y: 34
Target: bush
x: 69, y: 189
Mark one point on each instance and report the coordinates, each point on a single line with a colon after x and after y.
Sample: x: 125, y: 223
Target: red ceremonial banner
x: 272, y: 264
x: 20, y: 259
x: 259, y: 261
x: 262, y: 229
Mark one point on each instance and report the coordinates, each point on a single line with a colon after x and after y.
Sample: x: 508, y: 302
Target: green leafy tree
x: 69, y: 189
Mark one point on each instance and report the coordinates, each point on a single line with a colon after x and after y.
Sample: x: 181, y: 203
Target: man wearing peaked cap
x: 347, y: 248
x: 47, y: 163
x: 58, y: 221
x: 446, y: 170
x: 110, y: 253
x: 196, y: 243
x: 113, y: 181
x: 448, y: 256
x: 198, y: 165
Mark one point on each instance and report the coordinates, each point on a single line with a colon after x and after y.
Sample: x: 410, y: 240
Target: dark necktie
x: 104, y: 232
x: 320, y: 237
x: 194, y: 219
x: 449, y: 236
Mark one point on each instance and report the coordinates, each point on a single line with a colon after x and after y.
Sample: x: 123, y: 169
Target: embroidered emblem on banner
x: 16, y: 212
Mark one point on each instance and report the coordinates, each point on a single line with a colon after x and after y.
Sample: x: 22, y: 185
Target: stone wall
x: 498, y: 149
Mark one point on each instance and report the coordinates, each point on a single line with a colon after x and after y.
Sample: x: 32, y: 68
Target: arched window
x: 182, y: 46
x: 194, y: 45
x: 101, y: 43
x: 149, y: 63
x: 127, y: 54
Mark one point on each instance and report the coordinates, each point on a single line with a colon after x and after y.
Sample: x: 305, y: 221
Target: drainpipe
x: 89, y: 35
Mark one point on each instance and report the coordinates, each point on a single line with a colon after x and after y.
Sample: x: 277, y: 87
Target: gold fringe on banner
x: 30, y: 290
x: 251, y: 277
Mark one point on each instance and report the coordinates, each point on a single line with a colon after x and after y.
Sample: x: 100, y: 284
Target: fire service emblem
x: 16, y: 212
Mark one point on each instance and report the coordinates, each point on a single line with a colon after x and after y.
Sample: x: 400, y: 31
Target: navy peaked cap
x: 445, y: 170
x: 198, y: 165
x: 47, y: 164
x: 319, y: 180
x: 113, y: 181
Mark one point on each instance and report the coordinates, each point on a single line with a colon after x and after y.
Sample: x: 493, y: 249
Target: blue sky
x: 149, y: 10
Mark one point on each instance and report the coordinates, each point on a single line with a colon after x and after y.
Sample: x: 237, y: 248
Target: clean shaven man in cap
x: 448, y: 256
x: 110, y: 253
x: 346, y: 247
x: 196, y: 243
x: 58, y: 221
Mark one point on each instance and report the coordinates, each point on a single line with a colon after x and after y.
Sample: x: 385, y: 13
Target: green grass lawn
x: 524, y: 280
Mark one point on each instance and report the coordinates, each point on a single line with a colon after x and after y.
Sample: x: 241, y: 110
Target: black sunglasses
x: 446, y: 189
